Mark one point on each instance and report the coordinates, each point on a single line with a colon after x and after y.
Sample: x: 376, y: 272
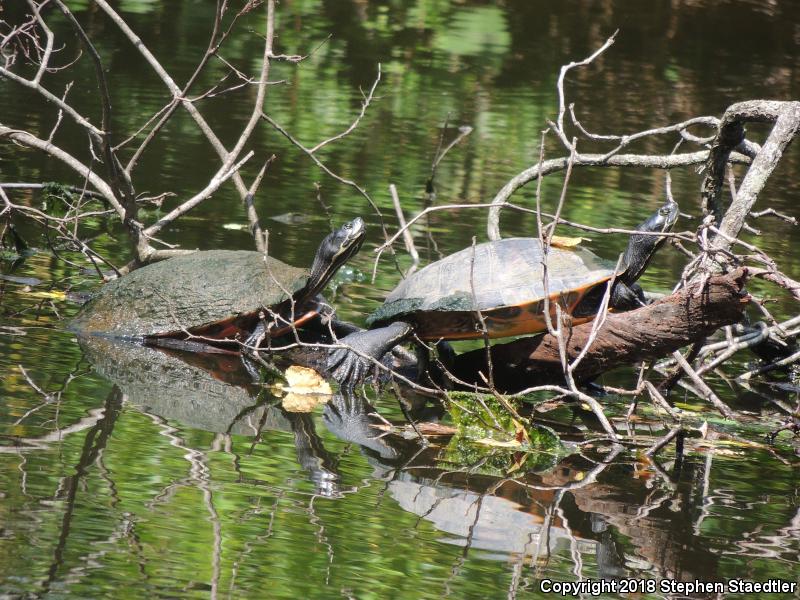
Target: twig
x: 252, y: 215
x: 30, y: 381
x: 550, y: 166
x: 705, y: 392
x: 775, y: 213
x: 771, y: 366
x: 327, y: 170
x: 673, y: 433
x: 572, y: 65
x: 659, y: 399
x: 407, y: 237
x: 364, y: 105
x: 463, y: 132
x: 224, y: 173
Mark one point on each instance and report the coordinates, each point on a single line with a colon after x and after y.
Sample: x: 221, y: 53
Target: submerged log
x: 647, y: 333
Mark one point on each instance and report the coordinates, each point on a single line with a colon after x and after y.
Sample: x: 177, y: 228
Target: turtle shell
x: 503, y: 280
x: 215, y: 293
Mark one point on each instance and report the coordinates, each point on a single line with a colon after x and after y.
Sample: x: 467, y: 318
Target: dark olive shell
x: 187, y: 292
x: 503, y: 279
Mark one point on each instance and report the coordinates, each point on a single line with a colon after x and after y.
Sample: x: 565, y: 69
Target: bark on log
x: 646, y: 333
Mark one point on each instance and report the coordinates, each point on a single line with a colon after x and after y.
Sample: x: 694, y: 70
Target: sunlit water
x: 135, y: 474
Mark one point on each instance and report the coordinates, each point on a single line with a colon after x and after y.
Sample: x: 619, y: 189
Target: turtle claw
x: 353, y: 363
x: 348, y: 368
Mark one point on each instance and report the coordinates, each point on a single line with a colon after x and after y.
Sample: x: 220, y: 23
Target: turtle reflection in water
x: 218, y: 295
x: 209, y: 392
x: 503, y: 280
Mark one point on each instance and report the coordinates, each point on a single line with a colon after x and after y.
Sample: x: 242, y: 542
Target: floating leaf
x: 305, y: 389
x: 488, y: 434
x: 303, y: 403
x: 302, y: 380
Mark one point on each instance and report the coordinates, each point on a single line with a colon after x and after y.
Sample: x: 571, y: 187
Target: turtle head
x: 335, y: 250
x: 641, y: 248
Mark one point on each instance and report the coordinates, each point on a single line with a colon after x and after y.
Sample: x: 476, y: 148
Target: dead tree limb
x: 645, y: 161
x: 786, y: 116
x: 647, y: 333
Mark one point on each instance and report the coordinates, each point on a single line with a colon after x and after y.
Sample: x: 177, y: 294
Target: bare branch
x: 228, y: 158
x: 786, y: 116
x: 407, y: 237
x: 706, y: 392
x: 572, y: 65
x: 50, y: 97
x: 327, y: 170
x: 354, y: 124
x: 30, y: 140
x: 657, y: 161
x: 48, y: 46
x: 217, y: 180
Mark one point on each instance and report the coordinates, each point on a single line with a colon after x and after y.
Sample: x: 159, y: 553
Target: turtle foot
x: 348, y: 368
x: 353, y: 363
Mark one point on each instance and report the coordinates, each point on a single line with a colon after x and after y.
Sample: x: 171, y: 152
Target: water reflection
x: 251, y: 474
x: 214, y: 393
x: 209, y: 392
x: 96, y: 440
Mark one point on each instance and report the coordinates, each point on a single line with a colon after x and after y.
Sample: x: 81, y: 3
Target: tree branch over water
x: 33, y: 43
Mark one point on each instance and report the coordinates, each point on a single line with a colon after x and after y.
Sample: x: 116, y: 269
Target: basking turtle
x: 503, y: 280
x: 219, y: 296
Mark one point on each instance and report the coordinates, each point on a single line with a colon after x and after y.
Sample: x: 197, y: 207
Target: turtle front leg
x: 627, y: 297
x: 259, y: 333
x: 351, y: 365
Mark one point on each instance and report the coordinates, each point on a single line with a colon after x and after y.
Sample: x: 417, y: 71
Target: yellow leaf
x: 303, y: 403
x: 560, y: 241
x: 305, y: 389
x: 302, y: 380
x: 498, y: 443
x: 54, y: 295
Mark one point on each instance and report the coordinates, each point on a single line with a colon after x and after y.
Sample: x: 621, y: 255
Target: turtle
x: 500, y: 283
x: 222, y: 297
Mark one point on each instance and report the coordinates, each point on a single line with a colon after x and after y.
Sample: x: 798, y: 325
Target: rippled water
x: 129, y: 472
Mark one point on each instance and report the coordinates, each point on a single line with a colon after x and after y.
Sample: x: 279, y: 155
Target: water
x: 132, y: 473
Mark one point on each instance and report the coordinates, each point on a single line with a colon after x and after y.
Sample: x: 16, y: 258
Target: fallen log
x: 647, y: 333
